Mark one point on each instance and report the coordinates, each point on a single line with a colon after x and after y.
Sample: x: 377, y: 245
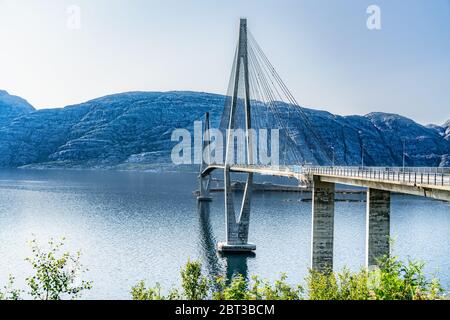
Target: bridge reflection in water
x: 218, y: 264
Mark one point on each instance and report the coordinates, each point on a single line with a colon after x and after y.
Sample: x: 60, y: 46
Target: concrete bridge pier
x: 322, y: 225
x: 204, y: 189
x: 205, y: 181
x: 236, y: 229
x: 377, y: 226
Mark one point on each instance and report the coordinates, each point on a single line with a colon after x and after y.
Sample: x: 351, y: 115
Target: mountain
x: 104, y: 132
x: 443, y: 130
x: 12, y: 107
x: 446, y: 127
x: 132, y: 130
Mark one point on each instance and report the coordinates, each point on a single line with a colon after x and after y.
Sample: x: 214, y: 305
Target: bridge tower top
x: 241, y: 75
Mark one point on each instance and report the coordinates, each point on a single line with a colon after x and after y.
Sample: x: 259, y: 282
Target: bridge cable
x: 299, y: 110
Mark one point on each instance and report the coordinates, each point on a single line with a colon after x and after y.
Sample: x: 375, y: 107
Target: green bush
x: 257, y: 289
x: 195, y: 286
x: 393, y: 280
x: 404, y: 281
x: 56, y: 275
x: 140, y: 292
x: 236, y: 290
x: 8, y: 292
x: 281, y: 290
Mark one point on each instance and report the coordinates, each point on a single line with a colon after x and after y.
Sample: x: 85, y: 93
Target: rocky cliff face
x: 104, y: 132
x: 133, y: 129
x: 12, y: 107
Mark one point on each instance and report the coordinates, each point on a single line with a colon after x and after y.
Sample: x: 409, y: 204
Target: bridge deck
x: 428, y: 182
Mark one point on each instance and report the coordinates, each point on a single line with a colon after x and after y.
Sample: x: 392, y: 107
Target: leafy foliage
x: 56, y: 273
x: 8, y: 292
x: 140, y: 292
x: 57, y: 276
x: 195, y: 285
x: 393, y: 280
x: 404, y: 281
x: 236, y: 290
x: 257, y: 289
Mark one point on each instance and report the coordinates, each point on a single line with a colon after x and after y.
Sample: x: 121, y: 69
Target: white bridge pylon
x: 237, y: 228
x: 205, y: 181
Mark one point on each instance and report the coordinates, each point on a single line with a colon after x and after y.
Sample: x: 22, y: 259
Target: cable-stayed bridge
x: 258, y: 99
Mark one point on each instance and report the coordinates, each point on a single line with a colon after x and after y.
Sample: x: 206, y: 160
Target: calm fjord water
x: 133, y: 226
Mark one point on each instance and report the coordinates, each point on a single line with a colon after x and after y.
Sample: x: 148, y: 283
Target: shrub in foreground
x: 393, y: 280
x: 56, y: 275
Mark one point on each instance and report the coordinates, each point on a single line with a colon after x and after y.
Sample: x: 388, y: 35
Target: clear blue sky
x: 321, y: 48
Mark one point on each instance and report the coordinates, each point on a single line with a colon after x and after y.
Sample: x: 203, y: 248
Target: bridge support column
x: 322, y: 226
x: 237, y: 230
x: 205, y: 181
x: 204, y: 189
x: 377, y: 225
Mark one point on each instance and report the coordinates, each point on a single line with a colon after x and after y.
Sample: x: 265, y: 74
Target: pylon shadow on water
x: 208, y: 241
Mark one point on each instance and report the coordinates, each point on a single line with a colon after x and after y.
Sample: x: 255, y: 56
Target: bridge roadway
x: 427, y: 182
x: 380, y: 183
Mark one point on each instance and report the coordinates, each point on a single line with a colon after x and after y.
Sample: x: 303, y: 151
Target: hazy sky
x: 322, y: 49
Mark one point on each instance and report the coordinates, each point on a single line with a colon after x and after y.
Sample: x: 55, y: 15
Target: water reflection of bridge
x: 218, y: 264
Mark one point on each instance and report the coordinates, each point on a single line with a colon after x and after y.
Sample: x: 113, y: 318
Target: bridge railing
x: 438, y: 170
x: 424, y: 176
x: 416, y: 175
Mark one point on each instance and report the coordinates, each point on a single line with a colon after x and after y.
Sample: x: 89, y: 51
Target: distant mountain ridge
x: 133, y: 129
x: 446, y: 126
x: 12, y: 107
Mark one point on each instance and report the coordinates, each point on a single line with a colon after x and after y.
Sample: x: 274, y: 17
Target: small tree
x: 405, y: 281
x: 56, y: 273
x: 322, y: 285
x: 237, y: 289
x: 8, y: 292
x: 195, y: 285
